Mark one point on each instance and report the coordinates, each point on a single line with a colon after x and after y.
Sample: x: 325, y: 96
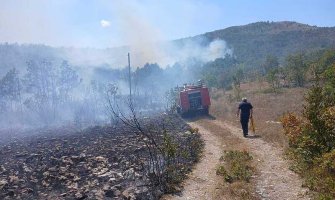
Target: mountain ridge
x: 250, y: 43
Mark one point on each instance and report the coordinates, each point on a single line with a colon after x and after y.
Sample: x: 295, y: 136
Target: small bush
x: 238, y: 166
x: 193, y: 130
x: 221, y: 171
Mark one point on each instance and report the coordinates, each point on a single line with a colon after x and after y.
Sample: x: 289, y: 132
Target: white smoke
x: 194, y: 49
x: 163, y: 53
x: 146, y: 42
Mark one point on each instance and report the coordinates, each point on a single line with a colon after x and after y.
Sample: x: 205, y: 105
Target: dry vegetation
x: 269, y: 107
x: 236, y: 169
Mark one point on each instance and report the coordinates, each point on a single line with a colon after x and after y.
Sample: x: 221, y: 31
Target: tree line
x: 53, y: 90
x: 312, y: 136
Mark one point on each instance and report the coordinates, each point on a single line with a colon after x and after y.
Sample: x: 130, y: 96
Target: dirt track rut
x: 202, y: 181
x: 273, y: 180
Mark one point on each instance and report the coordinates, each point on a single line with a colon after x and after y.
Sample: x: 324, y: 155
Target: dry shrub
x: 240, y: 191
x: 239, y: 164
x: 236, y: 170
x: 193, y: 130
x: 321, y: 176
x: 292, y: 127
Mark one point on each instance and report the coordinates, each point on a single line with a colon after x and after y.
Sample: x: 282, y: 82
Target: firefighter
x: 245, y: 112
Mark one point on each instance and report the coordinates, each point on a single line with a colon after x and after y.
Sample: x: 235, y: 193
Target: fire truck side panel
x: 184, y: 102
x: 206, y: 102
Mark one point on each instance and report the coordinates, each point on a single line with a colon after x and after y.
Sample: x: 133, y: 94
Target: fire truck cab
x: 193, y: 99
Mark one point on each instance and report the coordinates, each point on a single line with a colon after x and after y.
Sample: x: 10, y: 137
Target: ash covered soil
x: 100, y: 162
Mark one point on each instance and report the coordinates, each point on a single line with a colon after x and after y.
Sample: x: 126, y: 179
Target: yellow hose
x: 252, y: 125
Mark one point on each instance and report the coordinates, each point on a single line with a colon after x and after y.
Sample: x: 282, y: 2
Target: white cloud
x: 105, y: 23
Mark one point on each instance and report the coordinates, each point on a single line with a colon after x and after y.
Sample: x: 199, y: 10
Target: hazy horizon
x: 108, y: 24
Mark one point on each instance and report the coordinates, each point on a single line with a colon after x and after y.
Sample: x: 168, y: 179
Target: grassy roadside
x: 269, y: 107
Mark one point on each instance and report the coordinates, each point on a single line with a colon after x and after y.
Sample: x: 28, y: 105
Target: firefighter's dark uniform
x: 245, y: 108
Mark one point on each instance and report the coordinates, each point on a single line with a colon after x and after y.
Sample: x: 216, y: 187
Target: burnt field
x: 100, y: 162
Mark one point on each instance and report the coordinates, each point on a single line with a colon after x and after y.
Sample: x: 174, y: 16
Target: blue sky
x: 109, y: 23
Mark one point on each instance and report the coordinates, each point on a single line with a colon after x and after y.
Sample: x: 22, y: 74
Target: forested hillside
x: 250, y: 44
x: 253, y: 42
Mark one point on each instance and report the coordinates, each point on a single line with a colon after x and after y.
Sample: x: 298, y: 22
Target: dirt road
x: 202, y: 181
x: 273, y: 179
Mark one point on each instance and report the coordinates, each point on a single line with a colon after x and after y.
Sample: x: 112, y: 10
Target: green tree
x: 270, y: 63
x: 219, y: 73
x: 68, y: 79
x: 10, y: 88
x: 326, y: 60
x: 273, y: 78
x: 320, y: 100
x: 297, y: 67
x: 237, y: 79
x: 317, y: 133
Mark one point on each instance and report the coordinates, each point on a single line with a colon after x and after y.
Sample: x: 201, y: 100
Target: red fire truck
x: 193, y: 99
